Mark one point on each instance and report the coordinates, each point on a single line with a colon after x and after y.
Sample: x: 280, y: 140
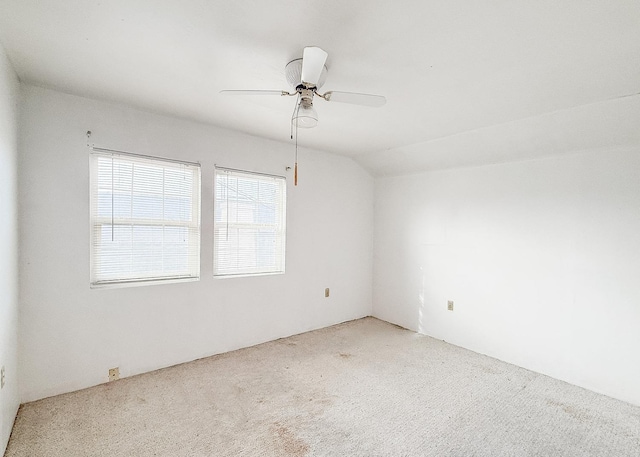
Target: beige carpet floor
x: 363, y: 388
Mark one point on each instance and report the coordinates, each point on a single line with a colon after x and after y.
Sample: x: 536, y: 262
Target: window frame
x: 193, y: 226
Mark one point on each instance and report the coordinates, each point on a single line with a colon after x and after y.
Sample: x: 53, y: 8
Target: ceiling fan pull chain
x: 293, y: 116
x: 295, y: 169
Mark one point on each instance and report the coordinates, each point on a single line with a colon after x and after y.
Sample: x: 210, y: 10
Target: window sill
x: 247, y: 275
x: 138, y: 283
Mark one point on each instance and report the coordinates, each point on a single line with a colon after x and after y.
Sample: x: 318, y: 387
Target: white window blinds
x: 249, y: 223
x: 145, y: 219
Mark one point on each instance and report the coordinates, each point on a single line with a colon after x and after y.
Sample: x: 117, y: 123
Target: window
x: 249, y: 223
x: 145, y: 219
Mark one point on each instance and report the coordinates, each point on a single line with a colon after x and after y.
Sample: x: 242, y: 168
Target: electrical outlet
x: 450, y: 305
x: 326, y: 292
x: 1, y: 377
x: 114, y: 374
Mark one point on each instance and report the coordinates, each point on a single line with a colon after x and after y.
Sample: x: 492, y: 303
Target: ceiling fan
x: 306, y: 76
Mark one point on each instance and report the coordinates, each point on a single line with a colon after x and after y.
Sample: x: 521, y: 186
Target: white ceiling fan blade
x: 313, y: 59
x: 355, y: 99
x: 254, y: 92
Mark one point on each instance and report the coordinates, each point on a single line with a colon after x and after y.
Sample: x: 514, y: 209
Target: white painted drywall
x: 9, y: 395
x: 541, y: 259
x: 70, y: 335
x: 606, y: 124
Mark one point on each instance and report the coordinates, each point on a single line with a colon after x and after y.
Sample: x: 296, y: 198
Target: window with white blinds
x: 145, y: 219
x: 249, y: 223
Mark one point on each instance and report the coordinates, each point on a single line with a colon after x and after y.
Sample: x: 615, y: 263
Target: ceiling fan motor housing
x: 293, y: 72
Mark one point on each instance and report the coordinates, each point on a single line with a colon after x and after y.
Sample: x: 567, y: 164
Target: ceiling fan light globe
x: 306, y: 117
x: 305, y: 122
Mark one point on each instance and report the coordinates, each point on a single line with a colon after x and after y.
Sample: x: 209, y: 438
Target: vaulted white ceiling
x: 467, y: 82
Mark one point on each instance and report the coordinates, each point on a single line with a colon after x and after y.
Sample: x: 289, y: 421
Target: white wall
x: 541, y: 259
x: 71, y: 335
x: 9, y: 395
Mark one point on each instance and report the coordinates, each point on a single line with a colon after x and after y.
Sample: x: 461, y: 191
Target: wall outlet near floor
x: 450, y: 305
x: 1, y: 377
x: 114, y: 374
x: 326, y: 292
